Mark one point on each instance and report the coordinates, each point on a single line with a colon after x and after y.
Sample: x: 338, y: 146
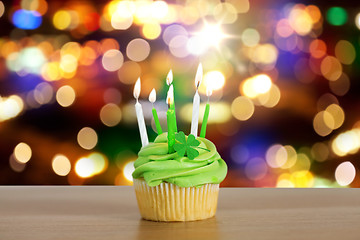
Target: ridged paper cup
x: 168, y: 202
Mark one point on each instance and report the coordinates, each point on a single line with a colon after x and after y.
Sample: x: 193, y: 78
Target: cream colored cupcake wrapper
x: 168, y: 202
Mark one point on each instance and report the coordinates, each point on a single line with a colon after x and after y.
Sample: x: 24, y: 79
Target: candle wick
x: 137, y: 100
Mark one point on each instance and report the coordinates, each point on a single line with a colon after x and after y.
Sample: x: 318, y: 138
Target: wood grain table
x: 110, y: 212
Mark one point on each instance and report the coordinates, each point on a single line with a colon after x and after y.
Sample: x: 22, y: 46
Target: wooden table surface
x: 102, y: 212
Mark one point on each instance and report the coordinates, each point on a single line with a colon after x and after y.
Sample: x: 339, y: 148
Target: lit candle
x: 140, y: 115
x: 196, y: 102
x: 206, y: 114
x: 169, y: 80
x: 171, y: 120
x: 152, y: 99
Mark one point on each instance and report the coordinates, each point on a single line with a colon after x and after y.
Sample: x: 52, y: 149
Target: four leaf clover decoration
x: 186, y: 147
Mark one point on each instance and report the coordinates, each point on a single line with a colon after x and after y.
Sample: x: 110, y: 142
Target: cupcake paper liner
x: 168, y: 202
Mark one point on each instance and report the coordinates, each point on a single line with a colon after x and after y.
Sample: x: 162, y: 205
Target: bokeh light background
x: 285, y: 106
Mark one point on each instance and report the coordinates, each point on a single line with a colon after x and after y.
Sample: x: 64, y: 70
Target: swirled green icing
x: 156, y: 165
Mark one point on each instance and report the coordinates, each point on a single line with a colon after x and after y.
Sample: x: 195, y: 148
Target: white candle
x: 140, y: 115
x: 169, y: 80
x: 196, y: 102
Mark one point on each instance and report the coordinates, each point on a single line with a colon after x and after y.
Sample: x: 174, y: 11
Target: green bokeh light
x: 336, y: 16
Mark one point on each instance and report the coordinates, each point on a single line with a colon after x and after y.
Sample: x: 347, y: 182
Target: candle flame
x: 152, y: 96
x: 170, y: 95
x: 199, y: 75
x: 209, y: 91
x: 137, y: 89
x: 169, y: 78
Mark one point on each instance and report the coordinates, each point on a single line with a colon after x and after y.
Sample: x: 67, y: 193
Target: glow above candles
x: 152, y: 99
x: 196, y: 102
x: 206, y: 114
x: 171, y: 120
x: 140, y: 115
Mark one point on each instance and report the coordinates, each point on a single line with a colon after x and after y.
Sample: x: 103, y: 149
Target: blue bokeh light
x: 26, y: 19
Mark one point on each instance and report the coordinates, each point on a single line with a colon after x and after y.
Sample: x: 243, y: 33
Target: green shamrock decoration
x: 183, y: 147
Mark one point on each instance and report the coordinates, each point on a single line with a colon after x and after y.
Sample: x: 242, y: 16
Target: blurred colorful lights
x: 28, y: 60
x: 62, y: 20
x: 357, y: 20
x: 121, y: 21
x: 15, y: 165
x: 242, y: 108
x: 276, y: 156
x: 214, y: 80
x: 128, y: 170
x: 220, y: 113
x: 345, y: 52
x: 110, y: 114
x: 346, y: 143
x: 100, y: 162
x: 256, y: 85
x: 331, y: 68
x: 299, y: 179
x: 328, y: 120
x: 40, y: 6
x: 22, y: 152
x: 250, y: 37
x: 27, y: 20
x: 256, y: 168
x: 225, y: 13
x: 87, y: 138
x: 211, y: 35
x: 65, y: 96
x: 320, y: 151
x: 43, y: 93
x: 336, y: 16
x: 112, y: 60
x: 61, y: 165
x: 317, y: 48
x: 2, y: 8
x: 151, y: 30
x: 91, y: 165
x: 300, y: 20
x: 345, y: 173
x: 138, y: 49
x: 85, y: 167
x: 10, y: 107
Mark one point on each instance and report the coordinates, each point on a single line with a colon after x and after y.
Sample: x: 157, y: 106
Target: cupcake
x: 178, y: 186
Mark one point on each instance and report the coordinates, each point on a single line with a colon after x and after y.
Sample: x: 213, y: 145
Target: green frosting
x: 156, y: 165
